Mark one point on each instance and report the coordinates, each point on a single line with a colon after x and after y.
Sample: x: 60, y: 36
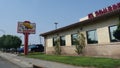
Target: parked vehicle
x: 33, y: 48
x: 21, y: 49
x: 37, y: 48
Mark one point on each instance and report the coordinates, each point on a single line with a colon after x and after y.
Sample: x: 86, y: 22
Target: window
x: 111, y: 31
x: 62, y: 40
x: 54, y: 41
x: 74, y: 39
x: 92, y: 37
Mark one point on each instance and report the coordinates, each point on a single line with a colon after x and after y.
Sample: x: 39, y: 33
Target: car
x: 21, y: 49
x: 32, y: 48
x: 37, y: 48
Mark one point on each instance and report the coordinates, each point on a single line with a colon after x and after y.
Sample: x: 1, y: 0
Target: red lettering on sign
x: 114, y: 7
x: 97, y: 13
x: 90, y: 15
x: 105, y: 10
x: 100, y: 12
x: 109, y: 8
x: 118, y: 4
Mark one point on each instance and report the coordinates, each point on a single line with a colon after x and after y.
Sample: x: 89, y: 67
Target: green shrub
x: 81, y: 43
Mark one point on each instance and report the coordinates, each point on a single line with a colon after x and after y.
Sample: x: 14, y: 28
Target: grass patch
x: 79, y: 60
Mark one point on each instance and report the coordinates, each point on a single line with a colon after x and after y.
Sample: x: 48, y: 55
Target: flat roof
x: 103, y: 16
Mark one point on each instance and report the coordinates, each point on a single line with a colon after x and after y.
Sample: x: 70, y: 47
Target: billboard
x: 26, y: 27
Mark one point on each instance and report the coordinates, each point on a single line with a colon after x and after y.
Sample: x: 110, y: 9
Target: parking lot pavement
x: 29, y: 62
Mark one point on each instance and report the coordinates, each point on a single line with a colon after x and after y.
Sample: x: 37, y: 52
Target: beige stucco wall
x: 68, y: 40
x: 103, y: 35
x: 49, y: 42
x: 109, y: 50
x: 103, y: 47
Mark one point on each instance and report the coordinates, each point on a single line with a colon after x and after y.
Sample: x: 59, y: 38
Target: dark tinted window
x: 111, y: 31
x: 54, y: 41
x: 92, y: 37
x: 74, y: 39
x: 62, y: 40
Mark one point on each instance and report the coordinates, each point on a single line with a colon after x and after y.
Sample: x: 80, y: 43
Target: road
x: 6, y: 64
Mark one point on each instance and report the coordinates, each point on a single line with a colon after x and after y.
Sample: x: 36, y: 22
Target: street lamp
x: 55, y: 25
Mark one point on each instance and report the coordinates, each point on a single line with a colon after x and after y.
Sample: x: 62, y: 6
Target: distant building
x: 97, y: 27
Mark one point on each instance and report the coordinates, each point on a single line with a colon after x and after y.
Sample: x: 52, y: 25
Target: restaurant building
x: 97, y: 27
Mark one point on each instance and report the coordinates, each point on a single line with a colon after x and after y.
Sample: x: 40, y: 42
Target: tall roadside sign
x: 26, y: 28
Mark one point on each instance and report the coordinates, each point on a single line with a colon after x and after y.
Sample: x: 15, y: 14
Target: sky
x: 45, y: 13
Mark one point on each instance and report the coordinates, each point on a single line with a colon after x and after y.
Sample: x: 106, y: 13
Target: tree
x: 1, y: 41
x: 81, y: 43
x: 116, y: 33
x: 9, y: 41
x: 17, y: 42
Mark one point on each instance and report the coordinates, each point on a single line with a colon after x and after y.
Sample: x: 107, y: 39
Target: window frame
x: 62, y: 42
x: 73, y: 42
x: 94, y: 36
x: 112, y: 40
x: 54, y: 42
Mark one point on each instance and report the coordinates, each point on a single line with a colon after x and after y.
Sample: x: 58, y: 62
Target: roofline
x: 103, y: 16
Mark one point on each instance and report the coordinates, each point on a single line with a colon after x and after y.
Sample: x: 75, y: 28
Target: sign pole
x: 26, y: 35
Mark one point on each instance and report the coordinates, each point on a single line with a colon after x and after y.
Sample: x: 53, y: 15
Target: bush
x: 57, y: 47
x: 81, y: 44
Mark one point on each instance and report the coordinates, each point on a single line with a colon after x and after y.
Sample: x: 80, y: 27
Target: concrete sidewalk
x: 24, y: 62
